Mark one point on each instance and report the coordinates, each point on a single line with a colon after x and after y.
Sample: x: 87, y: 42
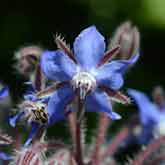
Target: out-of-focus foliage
x: 153, y: 13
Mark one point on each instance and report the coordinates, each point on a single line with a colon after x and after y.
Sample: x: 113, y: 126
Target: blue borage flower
x: 86, y: 70
x: 34, y: 110
x: 149, y: 113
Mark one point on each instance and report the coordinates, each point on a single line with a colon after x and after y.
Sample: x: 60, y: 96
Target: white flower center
x: 85, y: 82
x: 36, y: 112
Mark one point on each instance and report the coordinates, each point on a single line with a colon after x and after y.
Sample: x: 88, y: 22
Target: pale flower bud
x: 128, y: 38
x: 28, y: 58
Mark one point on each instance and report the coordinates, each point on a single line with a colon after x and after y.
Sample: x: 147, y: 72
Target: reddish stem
x: 78, y: 145
x: 103, y: 125
x: 72, y: 125
x: 111, y: 148
x: 148, y: 151
x: 78, y: 134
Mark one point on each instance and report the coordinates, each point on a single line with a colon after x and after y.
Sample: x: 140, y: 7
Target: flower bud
x: 27, y: 58
x: 128, y: 38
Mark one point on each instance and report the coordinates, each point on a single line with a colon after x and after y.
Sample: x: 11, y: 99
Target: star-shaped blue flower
x: 31, y: 103
x: 149, y: 111
x: 87, y: 69
x: 149, y: 114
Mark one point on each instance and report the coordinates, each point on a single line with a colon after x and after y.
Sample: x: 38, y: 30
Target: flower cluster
x: 66, y: 84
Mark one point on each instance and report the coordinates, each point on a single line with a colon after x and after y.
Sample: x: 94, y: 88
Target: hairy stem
x: 103, y: 125
x: 72, y: 119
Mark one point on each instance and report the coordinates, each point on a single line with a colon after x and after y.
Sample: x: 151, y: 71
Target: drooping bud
x: 27, y: 58
x: 128, y: 37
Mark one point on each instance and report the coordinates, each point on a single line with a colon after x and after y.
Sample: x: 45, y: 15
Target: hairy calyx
x: 85, y: 82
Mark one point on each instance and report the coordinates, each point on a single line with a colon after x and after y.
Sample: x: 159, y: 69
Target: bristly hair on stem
x: 72, y: 120
x: 33, y: 154
x: 78, y: 133
x: 102, y: 128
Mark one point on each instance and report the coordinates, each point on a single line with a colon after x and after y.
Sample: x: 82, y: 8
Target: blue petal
x: 34, y: 98
x: 146, y: 134
x: 34, y: 129
x: 58, y: 102
x: 111, y: 74
x: 114, y: 116
x: 4, y: 156
x: 98, y: 101
x: 31, y: 97
x: 89, y: 47
x: 4, y: 92
x: 57, y: 66
x: 147, y: 108
x: 13, y: 120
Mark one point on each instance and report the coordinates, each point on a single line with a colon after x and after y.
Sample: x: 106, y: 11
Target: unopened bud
x: 128, y: 37
x: 27, y: 58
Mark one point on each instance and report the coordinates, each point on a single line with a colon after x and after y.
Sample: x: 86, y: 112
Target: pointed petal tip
x: 27, y: 143
x: 115, y: 116
x: 12, y: 122
x: 4, y: 92
x: 13, y: 119
x: 91, y: 29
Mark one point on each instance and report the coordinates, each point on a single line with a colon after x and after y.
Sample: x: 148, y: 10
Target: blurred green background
x: 34, y: 22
